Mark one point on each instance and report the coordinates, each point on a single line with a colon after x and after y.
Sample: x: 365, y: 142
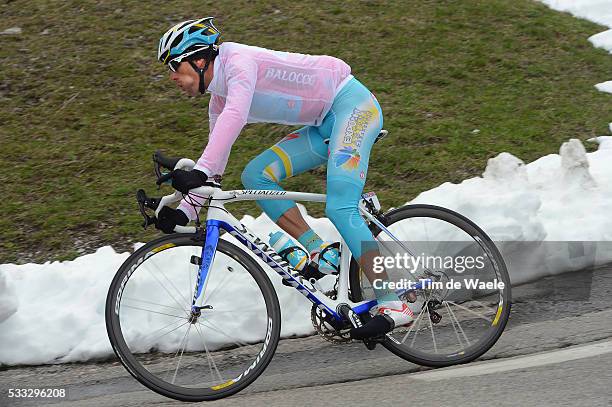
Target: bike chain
x: 320, y: 321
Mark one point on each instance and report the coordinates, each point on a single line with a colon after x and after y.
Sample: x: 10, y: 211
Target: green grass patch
x: 83, y: 102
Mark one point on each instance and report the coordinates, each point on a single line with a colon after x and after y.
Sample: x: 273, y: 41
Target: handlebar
x: 176, y: 196
x: 160, y: 161
x: 169, y: 163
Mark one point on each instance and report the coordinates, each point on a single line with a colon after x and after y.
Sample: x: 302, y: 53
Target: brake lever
x: 158, y: 169
x: 146, y: 202
x: 165, y: 176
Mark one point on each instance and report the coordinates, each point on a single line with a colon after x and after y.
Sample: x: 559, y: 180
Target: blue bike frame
x: 218, y: 219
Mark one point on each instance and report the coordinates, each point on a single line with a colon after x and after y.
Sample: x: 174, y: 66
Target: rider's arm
x: 215, y: 107
x: 241, y: 75
x: 227, y: 117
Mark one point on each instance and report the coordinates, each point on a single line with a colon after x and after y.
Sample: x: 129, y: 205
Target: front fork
x: 209, y: 248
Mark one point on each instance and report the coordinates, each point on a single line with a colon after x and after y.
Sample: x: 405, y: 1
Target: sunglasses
x: 173, y: 65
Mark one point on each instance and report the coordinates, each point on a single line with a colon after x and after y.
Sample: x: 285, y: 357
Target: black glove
x: 168, y: 218
x: 183, y: 180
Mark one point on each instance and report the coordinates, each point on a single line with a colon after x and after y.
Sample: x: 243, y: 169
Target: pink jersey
x: 253, y: 84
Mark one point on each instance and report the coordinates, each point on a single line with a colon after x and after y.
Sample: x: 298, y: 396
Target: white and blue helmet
x: 185, y: 39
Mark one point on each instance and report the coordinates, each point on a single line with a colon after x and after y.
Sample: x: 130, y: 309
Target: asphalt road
x: 556, y: 350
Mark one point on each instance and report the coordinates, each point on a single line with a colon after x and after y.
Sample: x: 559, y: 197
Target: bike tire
x: 144, y: 376
x: 469, y: 227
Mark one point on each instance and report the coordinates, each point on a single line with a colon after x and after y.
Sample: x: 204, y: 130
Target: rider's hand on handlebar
x: 168, y: 218
x: 183, y: 180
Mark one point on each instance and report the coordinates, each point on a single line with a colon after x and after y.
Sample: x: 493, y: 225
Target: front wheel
x: 192, y: 355
x: 463, y: 302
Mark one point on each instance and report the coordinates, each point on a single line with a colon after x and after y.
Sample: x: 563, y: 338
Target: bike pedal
x: 196, y: 260
x: 373, y: 329
x: 371, y: 343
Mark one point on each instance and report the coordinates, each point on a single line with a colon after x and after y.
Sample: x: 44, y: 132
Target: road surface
x: 556, y: 350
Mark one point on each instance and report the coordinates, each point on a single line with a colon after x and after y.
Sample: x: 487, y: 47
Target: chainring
x: 321, y: 323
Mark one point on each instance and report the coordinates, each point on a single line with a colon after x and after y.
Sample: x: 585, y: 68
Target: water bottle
x: 297, y: 257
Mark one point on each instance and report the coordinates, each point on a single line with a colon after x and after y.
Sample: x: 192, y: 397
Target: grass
x: 83, y: 102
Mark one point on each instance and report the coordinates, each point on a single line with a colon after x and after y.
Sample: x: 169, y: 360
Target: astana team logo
x: 346, y: 157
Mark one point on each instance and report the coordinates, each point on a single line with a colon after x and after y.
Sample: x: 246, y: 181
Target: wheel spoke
x: 153, y: 312
x: 426, y: 235
x: 454, y: 319
x: 165, y: 289
x: 416, y: 329
x: 171, y: 283
x: 237, y: 311
x: 433, y: 336
x: 214, y: 290
x: 445, y: 242
x: 209, y: 358
x: 181, y: 349
x: 218, y: 330
x: 469, y: 310
x: 155, y: 303
x: 415, y: 325
x: 164, y: 334
x: 398, y: 242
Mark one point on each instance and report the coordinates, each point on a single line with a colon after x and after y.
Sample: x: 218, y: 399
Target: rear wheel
x: 208, y: 354
x: 464, y: 309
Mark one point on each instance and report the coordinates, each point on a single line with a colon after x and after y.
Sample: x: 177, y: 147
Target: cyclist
x: 341, y: 120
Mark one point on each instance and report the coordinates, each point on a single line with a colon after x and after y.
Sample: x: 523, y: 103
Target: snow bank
x: 54, y: 312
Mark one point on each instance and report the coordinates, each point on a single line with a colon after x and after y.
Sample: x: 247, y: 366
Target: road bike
x: 195, y: 316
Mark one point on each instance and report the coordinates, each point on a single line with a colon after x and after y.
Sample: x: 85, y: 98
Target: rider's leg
x: 298, y: 152
x: 353, y: 126
x: 324, y: 255
x: 293, y: 222
x: 342, y: 201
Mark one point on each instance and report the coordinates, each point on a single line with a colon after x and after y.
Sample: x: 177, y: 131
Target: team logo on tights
x: 346, y: 157
x: 356, y: 127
